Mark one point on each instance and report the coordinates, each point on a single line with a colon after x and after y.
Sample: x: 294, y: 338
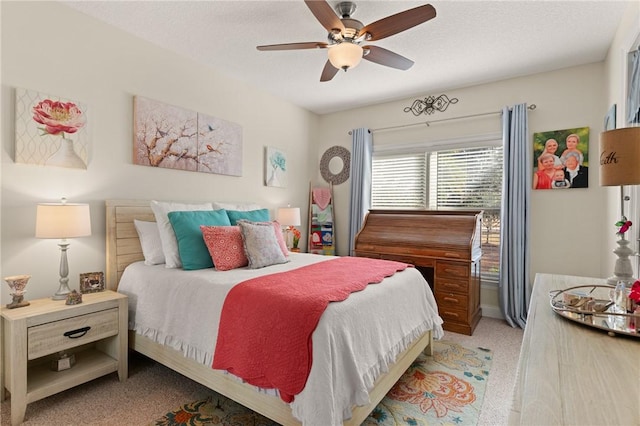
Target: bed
x: 124, y: 250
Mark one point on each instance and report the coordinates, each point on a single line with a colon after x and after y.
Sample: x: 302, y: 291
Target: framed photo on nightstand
x: 91, y: 282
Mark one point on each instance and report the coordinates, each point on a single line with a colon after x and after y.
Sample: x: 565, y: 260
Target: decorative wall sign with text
x: 431, y: 104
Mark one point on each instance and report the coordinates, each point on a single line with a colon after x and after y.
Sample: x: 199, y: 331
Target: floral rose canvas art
x: 50, y: 131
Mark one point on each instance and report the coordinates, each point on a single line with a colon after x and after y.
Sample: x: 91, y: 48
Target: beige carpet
x: 504, y: 342
x: 152, y: 390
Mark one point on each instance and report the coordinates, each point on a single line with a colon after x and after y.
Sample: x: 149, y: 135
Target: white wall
x: 566, y: 226
x: 53, y: 49
x: 572, y: 233
x: 565, y: 99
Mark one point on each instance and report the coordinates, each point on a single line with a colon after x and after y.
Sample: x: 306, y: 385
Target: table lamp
x: 289, y: 217
x: 620, y: 165
x: 63, y: 220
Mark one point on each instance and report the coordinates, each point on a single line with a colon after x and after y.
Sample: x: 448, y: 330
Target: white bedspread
x: 354, y: 342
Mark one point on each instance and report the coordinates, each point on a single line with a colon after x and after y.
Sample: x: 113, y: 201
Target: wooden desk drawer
x: 451, y: 301
x: 68, y: 333
x: 450, y: 314
x: 446, y: 285
x: 451, y: 269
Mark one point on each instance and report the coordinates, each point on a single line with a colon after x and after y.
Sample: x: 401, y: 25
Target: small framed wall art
x: 275, y: 167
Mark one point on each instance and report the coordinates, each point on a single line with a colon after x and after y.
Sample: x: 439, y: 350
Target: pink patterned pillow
x: 277, y: 228
x: 280, y: 237
x: 225, y: 246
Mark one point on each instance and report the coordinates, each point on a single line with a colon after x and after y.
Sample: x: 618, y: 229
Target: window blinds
x: 449, y: 179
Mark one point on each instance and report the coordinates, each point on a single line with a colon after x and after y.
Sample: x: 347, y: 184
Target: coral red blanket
x: 267, y: 322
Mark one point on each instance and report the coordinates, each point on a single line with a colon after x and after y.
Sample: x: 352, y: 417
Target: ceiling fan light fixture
x: 345, y: 55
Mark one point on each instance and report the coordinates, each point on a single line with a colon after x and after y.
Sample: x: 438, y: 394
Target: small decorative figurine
x: 17, y: 284
x: 74, y: 298
x: 63, y: 361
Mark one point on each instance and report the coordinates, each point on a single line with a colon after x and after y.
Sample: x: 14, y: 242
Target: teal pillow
x: 192, y: 249
x: 261, y: 215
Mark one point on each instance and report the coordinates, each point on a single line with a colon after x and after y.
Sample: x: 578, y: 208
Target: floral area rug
x: 446, y: 389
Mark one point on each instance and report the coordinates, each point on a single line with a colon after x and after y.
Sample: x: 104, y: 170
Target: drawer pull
x: 76, y: 334
x: 451, y: 299
x: 452, y: 314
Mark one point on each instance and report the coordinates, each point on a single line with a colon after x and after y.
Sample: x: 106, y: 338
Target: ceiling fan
x: 346, y: 36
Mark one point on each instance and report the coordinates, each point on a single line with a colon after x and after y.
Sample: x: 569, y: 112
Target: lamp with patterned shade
x: 620, y: 166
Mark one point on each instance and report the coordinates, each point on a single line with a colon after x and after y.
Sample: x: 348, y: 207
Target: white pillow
x: 150, y: 241
x: 161, y: 211
x: 241, y: 207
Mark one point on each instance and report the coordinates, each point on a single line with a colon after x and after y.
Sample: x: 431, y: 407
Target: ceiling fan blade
x: 387, y: 58
x: 328, y: 72
x: 399, y: 22
x: 325, y: 15
x: 294, y: 46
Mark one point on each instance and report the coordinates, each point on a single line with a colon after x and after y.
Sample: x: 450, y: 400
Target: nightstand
x: 95, y: 331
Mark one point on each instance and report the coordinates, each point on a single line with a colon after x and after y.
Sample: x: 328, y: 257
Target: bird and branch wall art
x: 172, y: 137
x: 430, y: 104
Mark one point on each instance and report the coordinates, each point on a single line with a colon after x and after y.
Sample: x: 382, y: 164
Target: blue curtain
x: 633, y: 97
x: 514, y: 292
x: 361, y: 153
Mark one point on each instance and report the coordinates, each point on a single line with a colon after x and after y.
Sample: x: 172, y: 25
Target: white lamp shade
x: 63, y: 220
x: 345, y: 55
x: 620, y: 157
x: 288, y: 216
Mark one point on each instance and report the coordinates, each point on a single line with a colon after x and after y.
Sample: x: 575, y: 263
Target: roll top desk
x: 445, y: 246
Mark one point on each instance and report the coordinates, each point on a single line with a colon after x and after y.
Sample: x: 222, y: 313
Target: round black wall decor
x: 343, y: 154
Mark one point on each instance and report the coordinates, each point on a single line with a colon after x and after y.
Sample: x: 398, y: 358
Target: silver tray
x: 611, y: 320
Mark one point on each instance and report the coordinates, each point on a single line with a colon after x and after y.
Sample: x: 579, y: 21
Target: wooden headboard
x: 123, y: 245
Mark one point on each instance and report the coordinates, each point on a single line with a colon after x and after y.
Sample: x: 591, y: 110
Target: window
x: 446, y: 178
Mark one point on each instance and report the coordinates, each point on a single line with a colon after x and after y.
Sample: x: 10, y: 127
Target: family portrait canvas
x: 50, y: 130
x: 561, y: 159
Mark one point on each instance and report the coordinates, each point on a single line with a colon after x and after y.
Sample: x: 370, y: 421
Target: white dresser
x: 571, y: 374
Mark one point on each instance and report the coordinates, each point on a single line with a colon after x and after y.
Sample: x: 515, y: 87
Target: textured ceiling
x: 467, y: 43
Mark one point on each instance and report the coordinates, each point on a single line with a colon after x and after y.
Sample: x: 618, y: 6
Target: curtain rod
x: 428, y: 123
